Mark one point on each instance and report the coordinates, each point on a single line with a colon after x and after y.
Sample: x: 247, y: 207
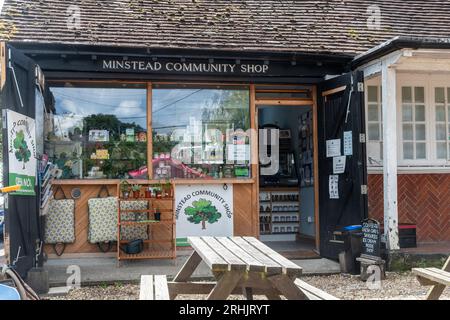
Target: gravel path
x: 396, y: 286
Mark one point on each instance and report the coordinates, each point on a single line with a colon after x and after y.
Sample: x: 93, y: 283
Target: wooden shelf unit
x: 161, y: 242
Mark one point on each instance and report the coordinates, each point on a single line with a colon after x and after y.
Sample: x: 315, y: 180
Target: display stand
x: 160, y: 242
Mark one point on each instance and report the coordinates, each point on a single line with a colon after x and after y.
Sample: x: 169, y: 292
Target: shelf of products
x: 149, y: 208
x: 279, y: 211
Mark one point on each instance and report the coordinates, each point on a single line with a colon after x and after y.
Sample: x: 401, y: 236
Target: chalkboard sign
x: 371, y: 238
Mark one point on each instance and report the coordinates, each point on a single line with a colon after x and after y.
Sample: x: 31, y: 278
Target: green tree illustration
x: 20, y: 145
x: 202, y: 211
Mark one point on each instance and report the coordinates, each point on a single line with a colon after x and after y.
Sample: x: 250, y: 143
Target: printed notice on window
x: 333, y: 148
x: 334, y: 186
x: 339, y: 164
x: 348, y: 143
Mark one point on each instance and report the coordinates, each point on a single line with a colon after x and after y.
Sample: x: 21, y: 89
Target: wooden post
x: 389, y: 107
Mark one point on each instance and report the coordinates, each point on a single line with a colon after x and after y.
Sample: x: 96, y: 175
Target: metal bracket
x: 349, y: 98
x: 360, y: 86
x: 364, y: 189
x: 362, y: 138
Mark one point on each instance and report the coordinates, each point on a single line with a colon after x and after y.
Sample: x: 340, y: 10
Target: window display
x: 98, y: 131
x: 200, y: 132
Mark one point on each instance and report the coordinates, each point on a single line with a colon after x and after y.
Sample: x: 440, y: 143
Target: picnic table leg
x: 435, y: 291
x: 186, y: 270
x: 248, y: 293
x: 287, y: 287
x: 226, y: 284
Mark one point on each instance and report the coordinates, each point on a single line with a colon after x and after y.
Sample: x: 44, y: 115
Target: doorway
x: 288, y: 198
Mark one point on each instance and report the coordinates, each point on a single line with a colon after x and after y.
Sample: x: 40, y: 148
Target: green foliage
x: 202, y: 211
x: 22, y: 153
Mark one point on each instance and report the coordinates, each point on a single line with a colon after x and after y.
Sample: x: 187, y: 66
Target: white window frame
x: 378, y: 144
x: 414, y: 79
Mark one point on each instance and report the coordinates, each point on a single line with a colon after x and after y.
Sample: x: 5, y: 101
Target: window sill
x: 140, y: 181
x: 412, y: 170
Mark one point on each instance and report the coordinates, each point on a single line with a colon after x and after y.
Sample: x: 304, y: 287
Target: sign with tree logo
x: 203, y: 210
x: 21, y: 152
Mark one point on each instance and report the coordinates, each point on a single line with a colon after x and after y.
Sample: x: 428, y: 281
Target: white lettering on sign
x: 187, y: 67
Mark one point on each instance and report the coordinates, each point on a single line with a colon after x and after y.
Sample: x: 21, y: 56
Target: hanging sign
x: 203, y: 210
x: 21, y: 152
x: 333, y: 148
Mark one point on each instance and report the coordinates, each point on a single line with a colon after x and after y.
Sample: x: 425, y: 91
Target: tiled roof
x: 333, y: 26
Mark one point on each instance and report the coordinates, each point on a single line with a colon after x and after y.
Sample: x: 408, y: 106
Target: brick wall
x: 423, y: 199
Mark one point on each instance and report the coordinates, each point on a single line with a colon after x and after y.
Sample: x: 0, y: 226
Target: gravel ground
x: 397, y: 286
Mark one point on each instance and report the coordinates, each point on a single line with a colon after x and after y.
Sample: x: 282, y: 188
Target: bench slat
x: 161, y: 288
x: 252, y: 263
x: 312, y: 292
x: 432, y: 275
x: 212, y: 259
x: 146, y: 288
x: 234, y: 262
x: 289, y: 267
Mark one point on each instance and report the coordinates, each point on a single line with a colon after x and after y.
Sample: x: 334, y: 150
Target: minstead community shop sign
x: 21, y: 152
x: 204, y: 210
x: 184, y: 67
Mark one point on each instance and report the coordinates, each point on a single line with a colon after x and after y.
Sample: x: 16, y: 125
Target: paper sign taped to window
x: 348, y: 143
x: 334, y: 186
x: 339, y: 164
x: 333, y: 148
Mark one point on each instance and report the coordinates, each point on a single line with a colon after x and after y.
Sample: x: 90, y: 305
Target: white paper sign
x: 333, y: 148
x: 339, y: 164
x: 334, y: 186
x: 238, y: 152
x: 348, y: 143
x: 204, y: 210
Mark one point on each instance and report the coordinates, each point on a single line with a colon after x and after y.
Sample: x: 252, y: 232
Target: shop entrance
x: 287, y: 193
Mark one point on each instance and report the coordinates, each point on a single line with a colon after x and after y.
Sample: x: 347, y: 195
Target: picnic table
x: 240, y: 265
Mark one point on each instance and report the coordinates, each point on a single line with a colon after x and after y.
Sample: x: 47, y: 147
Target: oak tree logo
x: 202, y: 211
x: 22, y: 153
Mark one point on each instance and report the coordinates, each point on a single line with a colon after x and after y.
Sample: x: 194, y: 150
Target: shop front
x: 202, y: 143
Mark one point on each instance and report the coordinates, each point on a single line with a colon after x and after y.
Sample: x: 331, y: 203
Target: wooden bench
x: 313, y: 293
x: 437, y: 278
x: 154, y: 287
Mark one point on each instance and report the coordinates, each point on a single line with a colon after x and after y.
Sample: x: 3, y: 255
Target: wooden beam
x: 149, y: 131
x: 333, y: 91
x: 389, y: 111
x: 279, y: 102
x: 316, y: 168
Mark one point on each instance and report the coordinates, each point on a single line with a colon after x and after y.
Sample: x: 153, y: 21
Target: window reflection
x: 200, y: 132
x: 98, y: 131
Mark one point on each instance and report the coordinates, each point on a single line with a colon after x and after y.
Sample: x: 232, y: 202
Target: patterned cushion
x: 102, y: 219
x: 60, y: 222
x: 133, y: 232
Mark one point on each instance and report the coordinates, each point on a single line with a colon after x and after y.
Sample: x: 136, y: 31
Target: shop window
x: 374, y: 125
x: 413, y: 123
x: 442, y: 118
x: 200, y: 132
x: 98, y: 131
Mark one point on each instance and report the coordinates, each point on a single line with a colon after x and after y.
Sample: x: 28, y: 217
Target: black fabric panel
x: 22, y: 214
x: 351, y: 207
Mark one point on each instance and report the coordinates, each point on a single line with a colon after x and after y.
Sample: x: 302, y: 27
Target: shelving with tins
x: 157, y: 218
x: 279, y: 211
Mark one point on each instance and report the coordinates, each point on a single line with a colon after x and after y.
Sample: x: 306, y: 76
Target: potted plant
x: 136, y: 190
x: 125, y: 189
x: 158, y: 190
x: 168, y: 188
x: 148, y: 192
